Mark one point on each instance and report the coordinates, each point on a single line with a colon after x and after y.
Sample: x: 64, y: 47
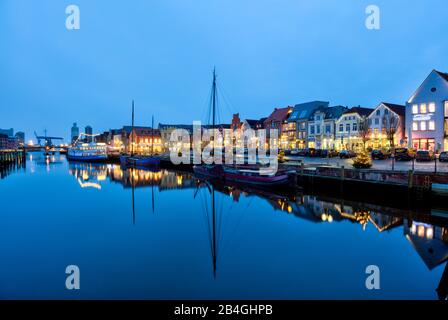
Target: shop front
x: 424, y: 144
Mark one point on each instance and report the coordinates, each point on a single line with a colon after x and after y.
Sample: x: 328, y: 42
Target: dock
x: 11, y: 156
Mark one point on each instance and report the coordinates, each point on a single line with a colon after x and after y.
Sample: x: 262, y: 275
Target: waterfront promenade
x: 376, y: 164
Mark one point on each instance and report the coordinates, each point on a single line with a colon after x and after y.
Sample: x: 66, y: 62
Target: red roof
x: 279, y: 115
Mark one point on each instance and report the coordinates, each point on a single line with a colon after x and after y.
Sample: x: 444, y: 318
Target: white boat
x: 89, y: 152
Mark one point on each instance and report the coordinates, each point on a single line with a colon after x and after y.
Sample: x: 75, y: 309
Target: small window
x: 414, y: 126
x: 341, y: 127
x: 378, y: 112
x: 386, y: 111
x: 415, y: 109
x: 433, y: 89
x: 432, y: 125
x: 432, y: 107
x: 347, y: 127
x: 377, y: 121
x: 355, y: 127
x: 423, y: 108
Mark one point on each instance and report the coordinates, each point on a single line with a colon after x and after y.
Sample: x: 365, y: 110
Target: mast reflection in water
x: 190, y: 238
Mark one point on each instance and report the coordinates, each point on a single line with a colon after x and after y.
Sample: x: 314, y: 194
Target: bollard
x: 435, y: 163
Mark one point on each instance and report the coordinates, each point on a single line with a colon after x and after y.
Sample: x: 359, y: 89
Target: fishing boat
x: 140, y: 161
x: 87, y: 151
x: 247, y: 174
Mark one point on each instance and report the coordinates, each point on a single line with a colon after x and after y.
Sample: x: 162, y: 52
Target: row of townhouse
x: 422, y: 123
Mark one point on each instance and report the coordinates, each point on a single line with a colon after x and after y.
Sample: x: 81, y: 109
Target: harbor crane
x: 48, y: 141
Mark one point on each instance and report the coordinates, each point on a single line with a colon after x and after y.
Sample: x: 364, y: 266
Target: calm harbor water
x: 157, y: 240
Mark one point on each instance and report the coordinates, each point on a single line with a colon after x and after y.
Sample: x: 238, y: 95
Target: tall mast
x: 132, y: 130
x: 214, y: 107
x: 214, y: 98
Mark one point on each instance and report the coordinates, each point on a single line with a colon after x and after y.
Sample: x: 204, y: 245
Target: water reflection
x: 9, y: 168
x: 427, y: 233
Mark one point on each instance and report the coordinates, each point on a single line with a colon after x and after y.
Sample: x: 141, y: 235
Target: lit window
x: 432, y: 107
x: 423, y: 108
x: 423, y: 125
x: 446, y: 108
x: 414, y: 126
x: 432, y: 125
x: 415, y: 109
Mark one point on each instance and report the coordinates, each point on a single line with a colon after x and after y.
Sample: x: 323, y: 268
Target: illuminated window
x: 414, y: 126
x: 415, y: 109
x: 423, y: 125
x: 423, y: 108
x: 446, y: 108
x: 432, y: 125
x: 432, y: 107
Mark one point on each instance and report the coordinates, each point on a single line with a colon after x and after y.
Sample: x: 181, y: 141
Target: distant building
x: 427, y: 114
x: 8, y: 132
x: 20, y: 137
x: 385, y: 120
x: 89, y: 132
x: 322, y: 127
x: 277, y: 120
x: 348, y: 125
x: 236, y: 122
x: 3, y: 141
x: 141, y: 140
x: 298, y: 119
x: 165, y: 134
x: 74, y: 132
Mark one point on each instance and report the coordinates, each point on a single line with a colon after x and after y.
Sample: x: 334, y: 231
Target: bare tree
x: 364, y: 130
x: 391, y: 123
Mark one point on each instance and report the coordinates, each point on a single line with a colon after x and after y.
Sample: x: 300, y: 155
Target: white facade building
x: 347, y: 128
x: 427, y: 114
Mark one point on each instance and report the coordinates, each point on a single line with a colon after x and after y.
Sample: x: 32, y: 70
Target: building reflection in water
x: 427, y: 233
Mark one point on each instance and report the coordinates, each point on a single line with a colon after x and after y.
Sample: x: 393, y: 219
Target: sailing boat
x: 142, y: 161
x: 248, y: 174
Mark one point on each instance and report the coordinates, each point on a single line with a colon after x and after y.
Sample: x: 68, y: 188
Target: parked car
x: 307, y: 152
x: 329, y: 153
x: 424, y: 155
x: 443, y: 157
x: 316, y: 153
x: 380, y: 154
x: 403, y: 154
x: 346, y: 154
x: 295, y: 152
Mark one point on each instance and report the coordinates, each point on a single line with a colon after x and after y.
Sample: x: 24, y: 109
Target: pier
x: 11, y: 156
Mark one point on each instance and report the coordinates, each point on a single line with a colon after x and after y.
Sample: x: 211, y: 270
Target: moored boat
x: 90, y: 152
x: 141, y: 161
x: 246, y: 174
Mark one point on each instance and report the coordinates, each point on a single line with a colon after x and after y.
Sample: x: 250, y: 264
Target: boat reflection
x: 132, y: 177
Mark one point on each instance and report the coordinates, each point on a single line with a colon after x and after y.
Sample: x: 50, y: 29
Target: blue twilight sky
x: 268, y: 53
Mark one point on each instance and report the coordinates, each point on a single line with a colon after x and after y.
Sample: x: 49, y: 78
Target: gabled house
x: 322, y: 127
x: 141, y: 139
x: 299, y: 119
x: 349, y: 135
x: 387, y: 120
x: 276, y: 121
x: 427, y: 114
